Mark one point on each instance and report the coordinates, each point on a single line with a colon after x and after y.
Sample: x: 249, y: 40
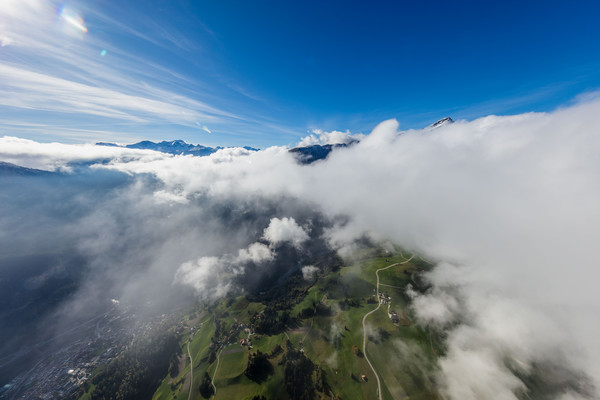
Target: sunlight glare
x: 73, y: 19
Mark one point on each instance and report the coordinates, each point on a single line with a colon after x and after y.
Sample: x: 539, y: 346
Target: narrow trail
x: 192, y: 364
x: 191, y: 371
x: 364, y: 320
x: 212, y: 381
x: 308, y: 331
x: 392, y: 286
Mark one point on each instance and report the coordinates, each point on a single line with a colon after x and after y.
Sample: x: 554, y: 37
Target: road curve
x: 212, y: 381
x: 191, y: 371
x: 364, y: 320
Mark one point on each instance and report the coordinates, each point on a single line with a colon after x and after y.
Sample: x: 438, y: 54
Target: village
x: 62, y: 371
x: 398, y: 320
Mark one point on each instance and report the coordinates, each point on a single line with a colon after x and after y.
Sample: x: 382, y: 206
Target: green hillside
x: 306, y: 341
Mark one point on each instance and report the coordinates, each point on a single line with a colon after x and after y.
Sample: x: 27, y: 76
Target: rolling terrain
x: 308, y: 342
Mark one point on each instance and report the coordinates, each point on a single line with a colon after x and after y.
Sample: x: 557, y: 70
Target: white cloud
x: 285, y: 230
x: 52, y: 156
x: 256, y: 252
x: 439, y: 309
x: 205, y: 275
x: 309, y: 271
x: 166, y: 197
x: 478, y: 375
x: 334, y: 137
x: 5, y: 41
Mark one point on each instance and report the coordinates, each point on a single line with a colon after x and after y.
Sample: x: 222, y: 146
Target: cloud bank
x: 319, y: 137
x: 507, y: 205
x: 211, y: 277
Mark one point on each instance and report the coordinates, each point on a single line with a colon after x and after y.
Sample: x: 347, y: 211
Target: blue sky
x: 268, y: 72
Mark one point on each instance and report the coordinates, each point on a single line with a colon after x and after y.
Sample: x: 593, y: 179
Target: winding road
x: 191, y: 371
x: 212, y: 381
x: 364, y: 320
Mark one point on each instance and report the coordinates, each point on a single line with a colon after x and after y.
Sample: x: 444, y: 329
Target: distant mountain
x: 305, y: 155
x: 8, y: 169
x: 443, y: 121
x: 316, y: 152
x: 172, y: 147
x: 310, y: 154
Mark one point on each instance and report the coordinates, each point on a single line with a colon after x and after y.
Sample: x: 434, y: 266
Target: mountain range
x: 304, y: 154
x: 172, y: 147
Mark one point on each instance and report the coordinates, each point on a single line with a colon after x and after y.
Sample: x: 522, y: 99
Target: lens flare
x: 73, y: 19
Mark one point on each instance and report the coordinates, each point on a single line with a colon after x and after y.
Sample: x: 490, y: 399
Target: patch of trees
x: 259, y: 368
x: 323, y: 310
x: 307, y: 312
x: 206, y: 388
x: 276, y: 351
x: 137, y: 373
x: 302, y: 379
x: 219, y: 328
x: 351, y: 302
x: 357, y: 351
x: 212, y: 357
x: 294, y: 289
x: 319, y: 309
x: 174, y: 367
x: 298, y: 375
x: 284, y: 296
x: 271, y: 323
x: 221, y: 335
x: 379, y: 336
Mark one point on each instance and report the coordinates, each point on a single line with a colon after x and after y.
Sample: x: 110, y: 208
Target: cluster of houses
x: 384, y: 299
x: 247, y: 341
x: 78, y: 376
x: 397, y: 320
x: 393, y: 315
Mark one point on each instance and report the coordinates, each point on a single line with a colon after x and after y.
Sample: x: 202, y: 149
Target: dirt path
x: 191, y: 371
x: 392, y: 286
x: 364, y: 325
x: 212, y: 381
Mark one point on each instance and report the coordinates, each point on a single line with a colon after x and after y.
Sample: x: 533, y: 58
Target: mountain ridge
x: 176, y: 147
x: 304, y: 154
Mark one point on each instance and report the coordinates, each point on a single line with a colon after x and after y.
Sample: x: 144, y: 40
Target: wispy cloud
x: 48, y: 71
x: 26, y: 89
